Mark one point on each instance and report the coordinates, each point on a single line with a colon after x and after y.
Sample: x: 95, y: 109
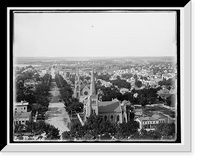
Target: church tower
x: 92, y: 85
x: 77, y: 89
x: 92, y: 104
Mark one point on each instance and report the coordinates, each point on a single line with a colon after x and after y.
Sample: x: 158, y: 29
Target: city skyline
x: 105, y: 34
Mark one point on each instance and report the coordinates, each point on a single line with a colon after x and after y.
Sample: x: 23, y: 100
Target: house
x: 20, y: 114
x: 124, y: 90
x: 167, y: 76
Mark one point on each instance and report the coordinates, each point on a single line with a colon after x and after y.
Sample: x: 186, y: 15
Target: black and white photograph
x: 95, y: 76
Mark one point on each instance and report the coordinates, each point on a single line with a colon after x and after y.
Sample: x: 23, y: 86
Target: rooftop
x: 138, y: 110
x: 109, y: 107
x: 21, y: 103
x: 22, y: 115
x: 146, y: 118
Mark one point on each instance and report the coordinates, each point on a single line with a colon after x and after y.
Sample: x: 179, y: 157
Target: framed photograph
x: 99, y: 78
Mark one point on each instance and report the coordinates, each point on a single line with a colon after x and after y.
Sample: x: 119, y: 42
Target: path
x: 56, y: 114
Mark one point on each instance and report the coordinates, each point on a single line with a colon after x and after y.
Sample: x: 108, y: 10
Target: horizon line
x: 86, y: 56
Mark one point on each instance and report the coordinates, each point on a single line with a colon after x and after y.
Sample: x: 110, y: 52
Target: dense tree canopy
x: 38, y: 128
x: 38, y: 95
x: 97, y: 129
x: 127, y: 75
x: 108, y: 93
x: 138, y: 83
x: 167, y: 82
x: 120, y: 83
x: 105, y: 77
x: 74, y: 106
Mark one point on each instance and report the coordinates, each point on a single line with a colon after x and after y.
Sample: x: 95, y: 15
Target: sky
x: 94, y: 34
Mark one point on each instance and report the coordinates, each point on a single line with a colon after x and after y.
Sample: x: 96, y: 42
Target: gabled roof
x: 109, y: 107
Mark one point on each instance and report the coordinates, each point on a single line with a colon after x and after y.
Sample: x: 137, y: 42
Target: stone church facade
x: 114, y: 110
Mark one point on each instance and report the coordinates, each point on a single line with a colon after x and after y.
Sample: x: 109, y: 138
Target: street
x: 56, y: 114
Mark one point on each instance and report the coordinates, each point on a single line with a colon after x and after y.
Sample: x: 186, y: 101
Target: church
x: 114, y: 110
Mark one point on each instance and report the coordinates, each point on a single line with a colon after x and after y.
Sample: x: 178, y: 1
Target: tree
x: 52, y: 133
x: 143, y: 101
x: 164, y: 93
x: 67, y: 136
x: 152, y: 100
x: 171, y: 100
x: 125, y: 130
x: 94, y: 128
x: 138, y: 83
x: 127, y: 75
x: 36, y: 77
x: 121, y: 83
x: 29, y: 95
x: 166, y: 130
x: 75, y: 106
x: 135, y: 76
x: 150, y: 135
x: 66, y: 93
x: 42, y: 100
x: 38, y: 128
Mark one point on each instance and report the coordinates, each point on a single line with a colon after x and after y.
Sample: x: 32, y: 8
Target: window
x: 105, y: 117
x: 111, y: 117
x: 117, y: 118
x: 85, y: 93
x: 93, y: 111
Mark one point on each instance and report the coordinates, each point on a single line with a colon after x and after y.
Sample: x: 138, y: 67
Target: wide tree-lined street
x: 56, y: 114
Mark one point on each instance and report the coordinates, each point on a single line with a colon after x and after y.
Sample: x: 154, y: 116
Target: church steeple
x: 77, y: 85
x: 92, y: 85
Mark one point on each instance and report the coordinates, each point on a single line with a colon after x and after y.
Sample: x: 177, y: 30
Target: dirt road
x: 56, y: 114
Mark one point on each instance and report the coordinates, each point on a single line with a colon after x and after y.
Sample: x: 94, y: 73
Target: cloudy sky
x: 94, y: 34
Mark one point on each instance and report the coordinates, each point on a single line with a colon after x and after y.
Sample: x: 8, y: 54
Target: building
x: 149, y: 123
x: 20, y: 107
x: 138, y: 112
x: 124, y: 90
x: 113, y: 111
x: 20, y: 114
x: 22, y: 118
